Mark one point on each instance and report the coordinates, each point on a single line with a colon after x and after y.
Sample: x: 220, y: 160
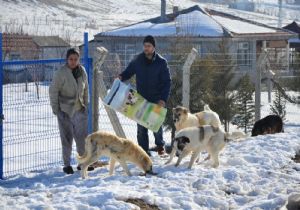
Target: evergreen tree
x: 279, y: 105
x: 222, y: 100
x: 245, y: 104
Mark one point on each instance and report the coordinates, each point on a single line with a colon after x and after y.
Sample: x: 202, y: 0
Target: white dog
x: 118, y: 149
x: 196, y: 139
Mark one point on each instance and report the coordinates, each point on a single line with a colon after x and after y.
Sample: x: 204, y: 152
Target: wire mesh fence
x: 31, y: 139
x: 30, y: 133
x: 214, y: 80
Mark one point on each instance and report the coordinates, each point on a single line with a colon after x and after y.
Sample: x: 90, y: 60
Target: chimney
x: 163, y: 10
x: 175, y: 10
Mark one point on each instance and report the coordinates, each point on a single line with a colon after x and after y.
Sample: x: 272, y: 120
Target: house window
x: 129, y: 53
x: 243, y: 54
x: 14, y: 57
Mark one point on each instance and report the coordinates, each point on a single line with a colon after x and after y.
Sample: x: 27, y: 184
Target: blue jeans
x: 143, y: 138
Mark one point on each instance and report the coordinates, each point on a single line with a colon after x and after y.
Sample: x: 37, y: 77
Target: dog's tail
x: 235, y: 135
x: 88, y: 149
x: 207, y: 108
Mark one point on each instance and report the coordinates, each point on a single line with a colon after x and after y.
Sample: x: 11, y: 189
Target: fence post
x: 1, y: 110
x: 88, y: 66
x: 259, y: 67
x: 110, y: 112
x: 100, y: 56
x: 186, y: 77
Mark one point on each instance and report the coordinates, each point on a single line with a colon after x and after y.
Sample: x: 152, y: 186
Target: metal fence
x: 31, y: 139
x: 206, y: 74
x: 29, y: 135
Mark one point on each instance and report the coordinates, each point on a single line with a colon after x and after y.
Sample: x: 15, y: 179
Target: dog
x: 183, y: 118
x: 269, y: 125
x: 196, y: 139
x: 118, y: 149
x: 131, y: 98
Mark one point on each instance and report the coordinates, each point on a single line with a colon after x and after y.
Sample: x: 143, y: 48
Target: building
x: 25, y: 47
x: 203, y: 29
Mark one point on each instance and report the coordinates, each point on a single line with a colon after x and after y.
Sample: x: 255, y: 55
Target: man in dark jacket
x: 153, y: 83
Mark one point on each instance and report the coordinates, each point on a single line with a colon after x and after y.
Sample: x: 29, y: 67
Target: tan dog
x: 184, y: 119
x: 196, y: 139
x: 118, y: 149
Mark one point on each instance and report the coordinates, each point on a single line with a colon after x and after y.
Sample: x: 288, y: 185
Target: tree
x: 245, y: 104
x: 203, y: 72
x: 222, y: 100
x: 279, y: 105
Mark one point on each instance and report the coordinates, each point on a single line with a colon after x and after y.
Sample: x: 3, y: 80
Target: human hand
x: 161, y: 103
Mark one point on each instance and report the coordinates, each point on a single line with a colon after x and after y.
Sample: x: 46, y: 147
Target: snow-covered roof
x: 195, y: 23
x: 294, y: 40
x: 242, y: 27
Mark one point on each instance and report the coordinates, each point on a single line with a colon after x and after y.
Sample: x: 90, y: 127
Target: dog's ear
x: 182, y: 139
x: 185, y: 110
x: 185, y: 140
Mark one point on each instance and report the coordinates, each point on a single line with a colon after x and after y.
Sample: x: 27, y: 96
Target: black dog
x: 268, y: 125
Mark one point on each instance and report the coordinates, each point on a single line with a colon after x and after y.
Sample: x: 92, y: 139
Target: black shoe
x: 68, y: 170
x: 161, y: 150
x: 149, y: 153
x: 153, y: 149
x: 90, y: 168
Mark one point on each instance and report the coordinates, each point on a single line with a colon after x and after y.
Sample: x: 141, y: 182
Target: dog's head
x: 147, y: 165
x: 179, y: 113
x: 181, y: 142
x: 131, y: 98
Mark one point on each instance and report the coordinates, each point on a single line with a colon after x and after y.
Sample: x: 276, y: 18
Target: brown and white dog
x: 196, y: 139
x: 183, y: 118
x: 118, y: 149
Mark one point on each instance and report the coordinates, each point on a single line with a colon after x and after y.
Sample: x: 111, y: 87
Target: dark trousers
x: 143, y: 138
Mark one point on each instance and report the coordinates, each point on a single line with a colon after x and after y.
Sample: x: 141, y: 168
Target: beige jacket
x: 65, y: 92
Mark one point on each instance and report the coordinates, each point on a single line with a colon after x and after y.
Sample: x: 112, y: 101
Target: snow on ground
x: 70, y: 18
x: 256, y: 173
x: 30, y: 130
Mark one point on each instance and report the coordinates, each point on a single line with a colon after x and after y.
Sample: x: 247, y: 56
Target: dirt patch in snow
x: 297, y: 157
x: 142, y: 204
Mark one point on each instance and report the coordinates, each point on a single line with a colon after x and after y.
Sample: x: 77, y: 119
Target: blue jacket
x: 153, y: 79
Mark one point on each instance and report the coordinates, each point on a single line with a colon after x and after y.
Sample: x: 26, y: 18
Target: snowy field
x: 70, y: 18
x: 256, y: 173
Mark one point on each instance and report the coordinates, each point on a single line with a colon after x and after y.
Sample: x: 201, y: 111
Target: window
x: 243, y: 54
x: 14, y: 57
